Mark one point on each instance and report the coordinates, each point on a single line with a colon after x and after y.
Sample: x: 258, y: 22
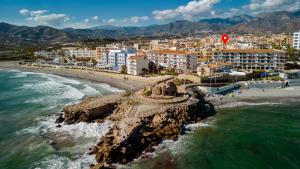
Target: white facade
x: 179, y: 60
x: 83, y: 53
x: 252, y: 59
x: 296, y: 40
x: 115, y: 59
x: 136, y: 64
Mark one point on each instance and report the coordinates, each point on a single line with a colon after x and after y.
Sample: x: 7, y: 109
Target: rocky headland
x: 142, y: 120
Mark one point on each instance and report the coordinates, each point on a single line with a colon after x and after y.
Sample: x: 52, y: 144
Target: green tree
x: 124, y: 69
x: 94, y: 61
x: 292, y: 53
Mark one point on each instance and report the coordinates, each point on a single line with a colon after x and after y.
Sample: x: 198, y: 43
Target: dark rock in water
x: 60, y: 119
x: 58, y: 126
x: 92, y: 150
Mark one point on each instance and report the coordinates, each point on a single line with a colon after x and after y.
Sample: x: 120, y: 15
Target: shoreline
x: 115, y: 80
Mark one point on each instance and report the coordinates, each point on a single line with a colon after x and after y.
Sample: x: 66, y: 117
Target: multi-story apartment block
x: 116, y: 58
x: 296, y: 40
x: 252, y: 59
x: 136, y: 64
x: 179, y: 60
x: 79, y: 52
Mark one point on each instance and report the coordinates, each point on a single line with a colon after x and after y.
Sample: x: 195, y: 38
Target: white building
x: 179, y: 60
x: 115, y: 59
x: 296, y: 40
x: 252, y: 59
x: 82, y: 53
x: 136, y: 64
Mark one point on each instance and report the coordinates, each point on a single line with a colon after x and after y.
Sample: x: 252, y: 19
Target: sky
x: 91, y: 13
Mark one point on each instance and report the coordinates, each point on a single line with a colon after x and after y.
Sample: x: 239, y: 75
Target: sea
x: 254, y: 136
x: 29, y: 137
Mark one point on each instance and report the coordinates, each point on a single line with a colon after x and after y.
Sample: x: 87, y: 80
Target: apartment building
x: 179, y: 60
x: 115, y: 58
x: 136, y: 64
x: 79, y: 52
x: 296, y: 40
x: 252, y: 59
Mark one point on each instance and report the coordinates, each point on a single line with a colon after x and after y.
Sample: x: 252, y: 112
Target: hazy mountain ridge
x: 276, y: 22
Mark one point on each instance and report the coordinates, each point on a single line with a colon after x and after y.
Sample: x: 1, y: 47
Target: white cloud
x: 50, y: 19
x: 194, y: 9
x: 42, y: 17
x: 96, y: 18
x: 137, y: 19
x: 24, y: 12
x: 257, y: 6
x: 38, y: 12
x: 134, y: 20
x: 86, y: 20
x: 112, y: 20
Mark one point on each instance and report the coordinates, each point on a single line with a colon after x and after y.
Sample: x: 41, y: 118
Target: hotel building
x: 252, y: 59
x: 179, y: 60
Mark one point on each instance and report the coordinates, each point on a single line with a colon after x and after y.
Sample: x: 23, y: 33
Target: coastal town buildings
x: 179, y: 60
x: 252, y: 59
x: 137, y: 64
x: 296, y: 40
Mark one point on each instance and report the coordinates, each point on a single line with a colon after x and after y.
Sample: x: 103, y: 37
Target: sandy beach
x: 256, y: 96
x: 113, y: 79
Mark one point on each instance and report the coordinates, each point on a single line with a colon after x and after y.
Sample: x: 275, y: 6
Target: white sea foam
x: 61, y: 79
x: 12, y: 70
x: 20, y: 75
x: 62, y: 162
x: 53, y: 92
x: 88, y: 90
x: 79, y: 130
x: 110, y: 88
x: 198, y: 125
x: 92, y: 131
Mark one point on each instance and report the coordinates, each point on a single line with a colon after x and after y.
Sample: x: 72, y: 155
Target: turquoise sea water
x: 247, y: 137
x: 28, y: 104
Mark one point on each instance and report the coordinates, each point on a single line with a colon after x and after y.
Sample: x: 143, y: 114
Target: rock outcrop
x: 130, y: 137
x: 90, y: 109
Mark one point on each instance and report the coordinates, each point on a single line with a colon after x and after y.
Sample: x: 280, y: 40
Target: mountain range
x: 275, y: 22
